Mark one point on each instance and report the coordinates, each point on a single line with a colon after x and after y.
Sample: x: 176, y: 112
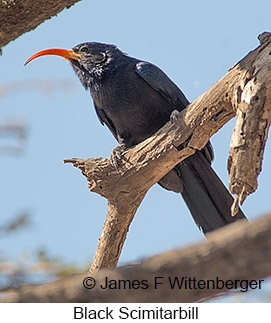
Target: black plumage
x: 134, y: 99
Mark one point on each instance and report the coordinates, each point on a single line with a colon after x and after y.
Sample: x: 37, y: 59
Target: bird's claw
x: 116, y: 156
x: 174, y: 116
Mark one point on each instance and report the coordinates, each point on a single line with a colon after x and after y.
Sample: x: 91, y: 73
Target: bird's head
x: 89, y: 60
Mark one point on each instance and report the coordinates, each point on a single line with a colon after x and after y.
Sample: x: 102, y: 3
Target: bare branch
x: 240, y: 251
x: 13, y: 135
x: 18, y: 17
x: 252, y: 122
x: 45, y: 86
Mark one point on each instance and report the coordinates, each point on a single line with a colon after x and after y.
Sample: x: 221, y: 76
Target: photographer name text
x: 179, y: 283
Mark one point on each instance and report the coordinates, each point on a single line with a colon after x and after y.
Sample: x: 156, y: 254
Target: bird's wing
x: 105, y: 120
x: 160, y: 82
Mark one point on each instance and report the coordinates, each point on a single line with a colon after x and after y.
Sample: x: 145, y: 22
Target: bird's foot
x: 116, y: 157
x: 174, y: 116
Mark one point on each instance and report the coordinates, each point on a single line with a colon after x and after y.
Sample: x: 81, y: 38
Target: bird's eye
x: 84, y: 49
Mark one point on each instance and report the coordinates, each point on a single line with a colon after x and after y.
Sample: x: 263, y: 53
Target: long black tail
x: 207, y: 198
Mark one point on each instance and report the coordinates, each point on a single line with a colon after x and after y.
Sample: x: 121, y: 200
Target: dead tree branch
x: 240, y: 251
x: 245, y: 86
x: 18, y: 17
x: 253, y: 112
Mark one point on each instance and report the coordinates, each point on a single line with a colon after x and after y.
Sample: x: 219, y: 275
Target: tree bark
x: 239, y: 252
x: 143, y: 165
x: 252, y: 122
x: 18, y: 17
x: 115, y: 229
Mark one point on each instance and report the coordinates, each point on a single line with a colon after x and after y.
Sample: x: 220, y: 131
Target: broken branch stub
x: 253, y: 117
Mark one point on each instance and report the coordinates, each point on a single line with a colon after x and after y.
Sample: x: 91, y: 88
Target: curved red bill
x: 69, y: 54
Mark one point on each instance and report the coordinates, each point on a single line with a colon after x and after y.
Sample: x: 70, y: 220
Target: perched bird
x: 134, y: 99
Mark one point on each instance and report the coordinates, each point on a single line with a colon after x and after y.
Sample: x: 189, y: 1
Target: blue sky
x: 194, y: 42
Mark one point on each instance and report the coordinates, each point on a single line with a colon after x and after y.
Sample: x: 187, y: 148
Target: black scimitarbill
x: 134, y: 99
